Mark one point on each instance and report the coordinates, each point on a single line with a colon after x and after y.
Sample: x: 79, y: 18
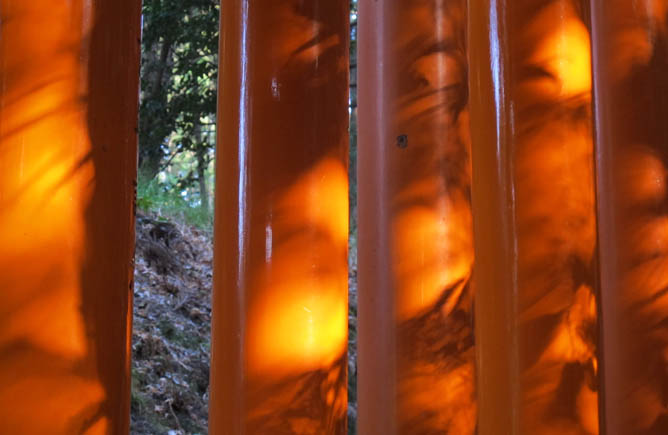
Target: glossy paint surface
x: 68, y: 110
x: 416, y: 356
x: 630, y: 42
x: 280, y: 286
x: 534, y: 217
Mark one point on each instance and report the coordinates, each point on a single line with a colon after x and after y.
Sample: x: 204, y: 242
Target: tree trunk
x: 201, y: 170
x: 150, y: 153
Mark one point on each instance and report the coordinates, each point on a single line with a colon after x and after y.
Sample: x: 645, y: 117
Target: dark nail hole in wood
x: 402, y: 141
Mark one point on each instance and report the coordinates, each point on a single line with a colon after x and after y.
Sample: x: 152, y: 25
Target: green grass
x: 164, y: 201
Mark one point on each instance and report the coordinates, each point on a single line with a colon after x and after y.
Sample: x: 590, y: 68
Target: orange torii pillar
x: 534, y: 217
x: 416, y: 355
x: 281, y: 230
x: 630, y: 46
x: 69, y: 76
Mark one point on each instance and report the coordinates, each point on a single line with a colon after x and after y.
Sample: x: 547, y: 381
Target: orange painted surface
x: 68, y: 106
x: 631, y: 74
x: 416, y: 357
x: 281, y: 231
x: 534, y: 217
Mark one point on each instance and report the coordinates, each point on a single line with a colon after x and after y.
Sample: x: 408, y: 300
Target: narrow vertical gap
x: 352, y: 241
x: 173, y: 268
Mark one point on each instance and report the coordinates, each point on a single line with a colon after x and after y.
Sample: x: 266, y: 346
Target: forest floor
x: 171, y: 339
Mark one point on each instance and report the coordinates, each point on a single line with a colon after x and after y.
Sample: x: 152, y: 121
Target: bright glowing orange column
x: 280, y: 285
x: 69, y: 76
x: 630, y: 41
x: 534, y: 217
x: 416, y: 356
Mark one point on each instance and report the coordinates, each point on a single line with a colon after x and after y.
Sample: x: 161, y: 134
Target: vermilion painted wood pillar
x: 534, y: 217
x: 69, y: 76
x: 281, y: 230
x: 630, y: 45
x: 416, y: 356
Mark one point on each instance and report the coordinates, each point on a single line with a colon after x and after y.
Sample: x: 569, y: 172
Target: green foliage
x: 179, y: 73
x: 178, y: 106
x: 165, y: 201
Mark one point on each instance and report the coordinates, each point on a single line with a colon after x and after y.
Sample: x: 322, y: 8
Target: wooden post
x: 630, y: 45
x: 69, y: 75
x: 281, y: 229
x: 534, y: 217
x: 416, y: 355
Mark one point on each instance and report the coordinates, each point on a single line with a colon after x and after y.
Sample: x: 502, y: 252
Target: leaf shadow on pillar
x: 634, y: 56
x: 46, y: 359
x: 296, y: 253
x: 432, y: 246
x: 554, y: 215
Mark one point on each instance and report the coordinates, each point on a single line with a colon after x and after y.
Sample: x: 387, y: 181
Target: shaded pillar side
x: 630, y: 46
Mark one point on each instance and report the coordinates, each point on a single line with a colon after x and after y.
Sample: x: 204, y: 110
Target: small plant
x: 167, y: 202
